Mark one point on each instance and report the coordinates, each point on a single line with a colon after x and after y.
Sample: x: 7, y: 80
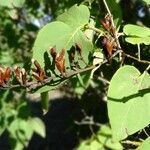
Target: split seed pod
x: 5, y: 74
x: 108, y: 46
x: 38, y: 73
x: 21, y: 75
x: 60, y: 62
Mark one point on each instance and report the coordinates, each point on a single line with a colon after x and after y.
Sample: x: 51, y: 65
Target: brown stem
x: 134, y: 58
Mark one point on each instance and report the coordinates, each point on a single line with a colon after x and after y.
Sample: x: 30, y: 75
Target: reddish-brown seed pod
x: 17, y: 72
x: 7, y: 74
x: 53, y: 52
x: 105, y: 24
x: 36, y: 76
x: 42, y: 75
x: 107, y: 46
x: 21, y: 75
x: 1, y: 78
x: 24, y: 76
x: 60, y: 62
x: 38, y: 73
x: 37, y: 65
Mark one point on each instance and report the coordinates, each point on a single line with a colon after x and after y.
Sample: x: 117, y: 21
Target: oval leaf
x: 128, y: 95
x: 138, y: 31
x: 138, y: 40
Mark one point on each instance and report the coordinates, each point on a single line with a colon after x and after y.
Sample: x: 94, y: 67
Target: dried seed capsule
x: 7, y: 74
x: 53, y: 52
x: 24, y: 76
x: 37, y: 65
x: 60, y: 62
x: 1, y: 78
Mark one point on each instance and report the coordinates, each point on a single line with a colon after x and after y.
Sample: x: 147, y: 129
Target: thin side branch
x: 95, y: 29
x: 134, y: 58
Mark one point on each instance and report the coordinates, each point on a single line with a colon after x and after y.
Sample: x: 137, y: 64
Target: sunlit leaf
x: 103, y: 139
x: 136, y: 31
x: 138, y: 40
x: 128, y: 95
x: 145, y: 145
x: 64, y: 34
x: 38, y: 126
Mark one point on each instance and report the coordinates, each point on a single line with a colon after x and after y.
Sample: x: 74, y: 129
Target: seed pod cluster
x: 108, y: 41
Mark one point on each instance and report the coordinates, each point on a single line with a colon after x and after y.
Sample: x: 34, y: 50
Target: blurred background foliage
x: 20, y: 21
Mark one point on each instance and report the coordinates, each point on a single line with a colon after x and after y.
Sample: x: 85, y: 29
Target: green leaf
x: 38, y: 126
x: 128, y: 95
x: 145, y: 145
x: 90, y: 33
x: 137, y: 34
x: 136, y: 31
x: 138, y: 40
x: 55, y: 33
x: 105, y: 138
x: 102, y: 141
x: 23, y: 125
x: 81, y: 82
x: 20, y: 132
x: 15, y: 144
x: 76, y: 17
x: 64, y: 34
